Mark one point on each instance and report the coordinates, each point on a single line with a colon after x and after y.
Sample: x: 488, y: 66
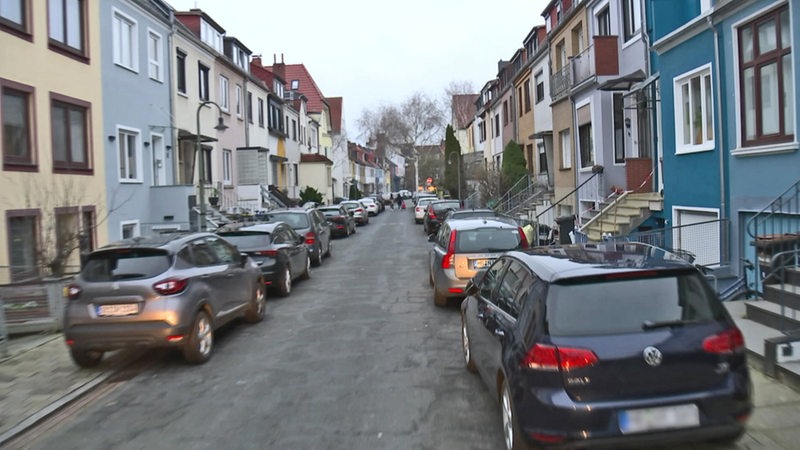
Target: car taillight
x: 310, y: 238
x: 171, y: 286
x: 726, y: 342
x: 269, y: 253
x: 72, y: 291
x: 450, y: 257
x: 431, y: 214
x: 523, y: 240
x: 360, y: 210
x: 552, y: 358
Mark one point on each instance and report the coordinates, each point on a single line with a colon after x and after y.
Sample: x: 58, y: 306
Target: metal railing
x: 780, y: 263
x: 583, y: 65
x: 560, y: 83
x: 33, y: 306
x: 519, y: 195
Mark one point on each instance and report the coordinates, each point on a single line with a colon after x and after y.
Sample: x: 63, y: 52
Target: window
x: 17, y: 131
x: 202, y: 78
x: 205, y: 177
x: 539, y: 80
x: 14, y: 15
x: 496, y: 125
x: 619, y: 129
x: 506, y: 115
x: 69, y: 131
x: 180, y: 72
x: 22, y: 243
x: 155, y: 56
x: 566, y: 149
x: 125, y: 42
x: 227, y: 164
x: 210, y: 36
x: 527, y: 95
x: 86, y: 241
x: 542, y: 158
x: 604, y: 22
x: 250, y: 106
x: 294, y: 130
x: 519, y: 101
x: 295, y: 85
x: 261, y: 113
x: 238, y: 101
x: 129, y: 229
x: 224, y: 97
x: 66, y: 22
x: 129, y: 154
x: 585, y: 142
x: 632, y: 18
x: 67, y: 227
x: 694, y: 124
x: 645, y: 98
x: 240, y: 58
x: 765, y: 74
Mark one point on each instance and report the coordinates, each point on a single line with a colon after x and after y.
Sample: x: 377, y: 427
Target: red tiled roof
x: 316, y: 101
x: 314, y: 157
x: 335, y: 105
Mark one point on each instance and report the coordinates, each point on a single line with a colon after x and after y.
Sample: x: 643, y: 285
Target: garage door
x: 698, y: 233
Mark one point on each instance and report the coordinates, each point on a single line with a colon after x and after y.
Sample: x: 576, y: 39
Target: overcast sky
x: 372, y: 53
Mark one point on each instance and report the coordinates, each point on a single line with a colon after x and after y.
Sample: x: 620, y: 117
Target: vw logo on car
x: 652, y: 356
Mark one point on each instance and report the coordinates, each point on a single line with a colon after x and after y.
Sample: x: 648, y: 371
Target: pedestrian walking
x: 400, y: 204
x: 391, y: 200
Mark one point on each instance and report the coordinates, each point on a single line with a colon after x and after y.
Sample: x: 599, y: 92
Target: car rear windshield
x: 443, y: 206
x: 629, y: 305
x: 295, y: 220
x: 125, y: 264
x: 487, y: 240
x: 331, y: 212
x: 245, y: 241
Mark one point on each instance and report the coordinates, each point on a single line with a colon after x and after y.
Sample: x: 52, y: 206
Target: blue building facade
x: 137, y: 116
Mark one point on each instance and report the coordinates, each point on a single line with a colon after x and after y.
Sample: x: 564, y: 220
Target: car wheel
x: 328, y: 252
x: 438, y: 299
x: 285, y: 282
x: 307, y: 272
x: 200, y: 341
x: 258, y: 305
x: 510, y: 429
x: 318, y: 259
x: 86, y: 358
x: 430, y: 277
x: 465, y: 345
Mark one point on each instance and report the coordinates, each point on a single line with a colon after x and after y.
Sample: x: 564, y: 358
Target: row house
x: 52, y: 134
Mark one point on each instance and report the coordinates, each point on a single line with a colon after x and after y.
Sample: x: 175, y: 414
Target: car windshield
x: 247, y: 240
x: 629, y: 305
x: 438, y: 207
x: 483, y: 240
x: 295, y: 220
x: 331, y: 212
x: 125, y: 264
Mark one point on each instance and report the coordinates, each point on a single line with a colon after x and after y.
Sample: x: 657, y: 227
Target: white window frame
x: 706, y: 110
x: 120, y: 44
x: 565, y: 137
x: 227, y: 167
x: 578, y: 150
x: 634, y: 8
x: 224, y: 94
x: 155, y: 55
x: 238, y: 101
x: 122, y: 163
x: 137, y: 230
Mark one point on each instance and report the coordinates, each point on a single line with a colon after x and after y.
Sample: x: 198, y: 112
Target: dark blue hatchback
x: 608, y: 344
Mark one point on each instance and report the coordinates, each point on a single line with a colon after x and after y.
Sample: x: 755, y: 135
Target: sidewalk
x: 37, y: 378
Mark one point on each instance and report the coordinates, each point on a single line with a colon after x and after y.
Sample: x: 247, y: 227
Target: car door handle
x: 499, y: 333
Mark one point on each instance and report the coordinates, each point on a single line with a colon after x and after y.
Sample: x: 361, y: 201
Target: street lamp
x: 458, y: 156
x: 197, y: 149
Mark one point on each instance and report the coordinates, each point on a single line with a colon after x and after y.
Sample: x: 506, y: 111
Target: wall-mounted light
x: 167, y: 148
x: 112, y: 138
x: 146, y: 144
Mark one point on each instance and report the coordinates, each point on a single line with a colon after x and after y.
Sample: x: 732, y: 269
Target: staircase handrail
x: 568, y: 194
x: 613, y: 205
x: 778, y: 264
x: 774, y: 207
x: 505, y: 199
x: 528, y: 198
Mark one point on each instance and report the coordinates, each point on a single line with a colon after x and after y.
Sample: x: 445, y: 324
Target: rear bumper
x: 448, y: 285
x: 106, y: 337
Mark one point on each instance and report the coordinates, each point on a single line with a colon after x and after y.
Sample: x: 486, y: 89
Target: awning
x: 644, y: 83
x: 623, y: 83
x: 184, y: 135
x: 278, y: 158
x: 541, y: 134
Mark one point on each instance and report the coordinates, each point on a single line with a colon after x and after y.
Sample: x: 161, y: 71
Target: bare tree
x: 459, y: 100
x: 419, y: 120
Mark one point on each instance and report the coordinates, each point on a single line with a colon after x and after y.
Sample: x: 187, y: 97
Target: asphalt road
x: 357, y: 357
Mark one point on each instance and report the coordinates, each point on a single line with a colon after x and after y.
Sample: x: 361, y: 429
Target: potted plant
x: 213, y: 196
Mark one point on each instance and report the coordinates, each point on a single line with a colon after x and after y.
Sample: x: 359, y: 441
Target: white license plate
x: 481, y: 263
x: 124, y: 309
x: 647, y: 419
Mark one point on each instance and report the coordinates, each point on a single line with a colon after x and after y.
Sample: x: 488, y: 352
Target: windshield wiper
x: 649, y: 325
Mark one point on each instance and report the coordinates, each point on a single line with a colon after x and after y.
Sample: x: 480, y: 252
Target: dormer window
x: 278, y: 88
x: 240, y: 58
x: 210, y: 36
x: 295, y: 85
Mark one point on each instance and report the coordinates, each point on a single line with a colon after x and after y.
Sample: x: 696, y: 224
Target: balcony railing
x: 583, y: 65
x: 560, y: 83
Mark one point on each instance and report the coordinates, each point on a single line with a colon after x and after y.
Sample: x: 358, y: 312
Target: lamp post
x: 458, y: 157
x: 197, y: 149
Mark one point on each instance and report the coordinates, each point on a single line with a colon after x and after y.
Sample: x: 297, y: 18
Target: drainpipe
x: 172, y: 134
x: 718, y: 87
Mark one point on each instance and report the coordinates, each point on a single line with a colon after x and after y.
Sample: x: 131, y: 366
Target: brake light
x: 171, y: 286
x: 431, y: 214
x: 450, y: 257
x: 726, y: 342
x: 269, y: 253
x: 523, y: 240
x: 72, y: 292
x: 552, y: 358
x: 310, y: 238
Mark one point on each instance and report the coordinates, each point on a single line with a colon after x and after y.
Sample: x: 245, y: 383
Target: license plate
x: 647, y: 419
x: 481, y: 263
x: 124, y: 309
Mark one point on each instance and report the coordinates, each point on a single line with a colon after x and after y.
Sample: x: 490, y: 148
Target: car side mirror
x: 471, y: 288
x: 243, y: 259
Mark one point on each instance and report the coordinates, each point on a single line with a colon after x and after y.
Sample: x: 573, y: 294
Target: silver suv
x: 312, y: 225
x: 171, y: 290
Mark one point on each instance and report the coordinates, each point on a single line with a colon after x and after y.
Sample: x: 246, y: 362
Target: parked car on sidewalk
x: 341, y: 221
x: 464, y: 247
x: 435, y: 214
x: 279, y: 251
x: 358, y: 210
x: 612, y: 344
x: 309, y: 223
x: 169, y: 290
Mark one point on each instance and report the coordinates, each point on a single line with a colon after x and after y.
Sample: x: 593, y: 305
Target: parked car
x: 472, y: 213
x: 371, y: 205
x: 435, y: 214
x: 419, y: 208
x: 613, y: 344
x: 167, y: 290
x: 341, y: 221
x: 420, y: 195
x: 309, y: 223
x: 358, y: 210
x: 463, y: 247
x: 279, y: 251
x: 378, y: 199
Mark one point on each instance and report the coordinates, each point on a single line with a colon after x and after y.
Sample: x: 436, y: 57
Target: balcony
x: 560, y: 83
x: 599, y: 59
